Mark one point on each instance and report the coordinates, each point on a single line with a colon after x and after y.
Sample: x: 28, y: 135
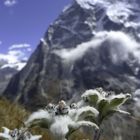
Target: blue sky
x: 24, y: 22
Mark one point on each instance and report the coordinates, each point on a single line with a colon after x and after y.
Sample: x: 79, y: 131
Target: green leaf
x: 115, y: 102
x: 40, y: 122
x: 122, y: 112
x: 103, y: 107
x: 79, y: 124
x: 93, y: 99
x: 108, y: 114
x: 90, y: 117
x: 102, y: 104
x: 86, y: 112
x: 119, y: 100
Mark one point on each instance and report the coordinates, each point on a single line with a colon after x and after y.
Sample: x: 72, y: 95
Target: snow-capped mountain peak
x: 16, y: 57
x: 118, y: 11
x: 18, y: 66
x: 12, y: 61
x: 86, y: 4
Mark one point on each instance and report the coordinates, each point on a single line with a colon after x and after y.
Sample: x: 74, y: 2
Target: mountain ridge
x: 66, y: 35
x: 84, y: 48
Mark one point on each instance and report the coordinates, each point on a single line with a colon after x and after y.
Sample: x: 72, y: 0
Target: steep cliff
x: 93, y: 43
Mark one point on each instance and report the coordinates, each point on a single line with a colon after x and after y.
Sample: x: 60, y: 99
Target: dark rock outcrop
x: 5, y: 76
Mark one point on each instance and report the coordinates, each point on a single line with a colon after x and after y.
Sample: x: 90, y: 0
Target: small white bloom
x: 17, y: 134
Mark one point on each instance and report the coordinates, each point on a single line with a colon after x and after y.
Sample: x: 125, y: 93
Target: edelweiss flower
x: 18, y: 134
x: 106, y: 103
x: 64, y: 121
x: 62, y: 108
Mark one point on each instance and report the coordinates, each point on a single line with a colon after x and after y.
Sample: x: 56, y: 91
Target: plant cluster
x: 18, y: 134
x: 62, y: 120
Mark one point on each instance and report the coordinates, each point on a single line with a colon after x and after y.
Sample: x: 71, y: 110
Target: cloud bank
x: 16, y: 56
x: 70, y: 55
x: 120, y: 46
x: 9, y: 3
x: 19, y: 46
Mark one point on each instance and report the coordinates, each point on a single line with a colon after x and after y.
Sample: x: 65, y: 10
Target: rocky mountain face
x: 45, y: 72
x: 7, y: 70
x: 91, y: 44
x: 5, y: 76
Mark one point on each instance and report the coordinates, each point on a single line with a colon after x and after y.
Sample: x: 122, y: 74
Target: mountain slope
x: 91, y: 44
x: 5, y: 76
x: 8, y: 69
x: 36, y: 79
x: 78, y: 54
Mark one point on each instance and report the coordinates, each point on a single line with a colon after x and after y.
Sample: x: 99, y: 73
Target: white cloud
x: 20, y: 46
x: 13, y: 57
x: 120, y: 46
x: 10, y: 3
x: 9, y: 58
x: 70, y: 55
x: 17, y: 55
x: 29, y: 49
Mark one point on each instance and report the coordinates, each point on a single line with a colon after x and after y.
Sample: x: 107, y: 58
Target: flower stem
x: 97, y: 134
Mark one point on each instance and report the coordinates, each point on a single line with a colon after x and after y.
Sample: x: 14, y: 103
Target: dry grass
x: 13, y: 116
